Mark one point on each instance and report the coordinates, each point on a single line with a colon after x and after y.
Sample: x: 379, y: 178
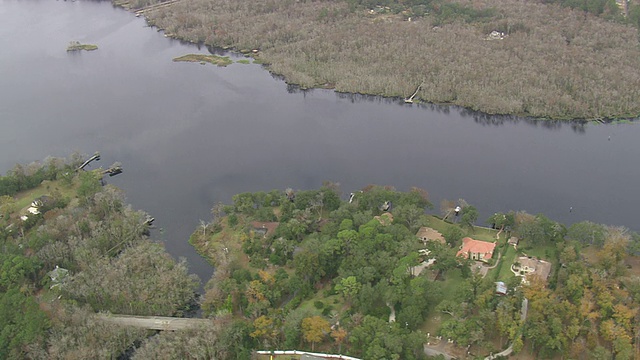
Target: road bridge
x: 154, y: 322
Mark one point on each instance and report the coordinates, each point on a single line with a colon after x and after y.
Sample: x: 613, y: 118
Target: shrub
x: 232, y: 220
x: 327, y: 310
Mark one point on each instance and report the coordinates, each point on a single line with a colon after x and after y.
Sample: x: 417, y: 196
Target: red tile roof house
x: 476, y: 249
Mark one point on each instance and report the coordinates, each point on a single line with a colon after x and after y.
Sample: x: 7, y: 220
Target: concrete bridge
x: 153, y: 322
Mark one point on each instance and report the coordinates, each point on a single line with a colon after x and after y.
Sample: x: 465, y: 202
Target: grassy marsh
x: 211, y: 59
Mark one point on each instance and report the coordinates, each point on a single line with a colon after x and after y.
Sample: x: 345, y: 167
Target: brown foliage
x: 314, y: 329
x: 77, y: 334
x: 555, y: 62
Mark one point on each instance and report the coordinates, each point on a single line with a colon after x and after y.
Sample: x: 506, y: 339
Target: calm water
x: 191, y: 135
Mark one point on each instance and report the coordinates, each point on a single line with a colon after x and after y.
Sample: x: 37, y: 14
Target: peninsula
x: 374, y: 274
x: 376, y: 277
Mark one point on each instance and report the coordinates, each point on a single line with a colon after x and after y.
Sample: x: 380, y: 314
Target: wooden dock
x: 154, y: 322
x: 151, y: 7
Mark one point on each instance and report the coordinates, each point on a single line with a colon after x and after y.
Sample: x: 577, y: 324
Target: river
x: 190, y: 135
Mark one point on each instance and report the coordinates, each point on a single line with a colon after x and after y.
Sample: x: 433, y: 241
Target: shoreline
x: 307, y: 73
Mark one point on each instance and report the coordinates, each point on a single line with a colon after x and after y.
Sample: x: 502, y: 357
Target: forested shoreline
x: 546, y: 61
x: 71, y: 248
x: 309, y: 270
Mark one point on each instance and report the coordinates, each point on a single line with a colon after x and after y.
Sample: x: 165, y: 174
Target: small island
x: 203, y: 59
x: 77, y: 46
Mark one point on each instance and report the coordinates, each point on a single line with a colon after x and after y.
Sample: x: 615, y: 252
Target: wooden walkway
x: 141, y: 11
x: 153, y: 322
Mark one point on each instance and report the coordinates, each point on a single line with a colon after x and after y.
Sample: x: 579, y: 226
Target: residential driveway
x: 439, y: 349
x: 481, y: 268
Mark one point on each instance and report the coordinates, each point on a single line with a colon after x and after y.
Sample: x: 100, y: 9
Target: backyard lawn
x: 505, y: 273
x: 478, y: 232
x: 24, y: 198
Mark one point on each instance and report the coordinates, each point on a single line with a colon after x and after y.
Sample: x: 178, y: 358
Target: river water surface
x: 189, y: 135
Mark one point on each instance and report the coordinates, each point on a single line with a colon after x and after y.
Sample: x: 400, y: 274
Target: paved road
x: 509, y: 350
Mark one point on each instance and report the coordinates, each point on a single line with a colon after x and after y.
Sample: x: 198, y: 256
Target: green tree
x: 89, y: 184
x: 409, y: 215
x: 452, y: 235
x: 21, y: 323
x: 469, y: 216
x: 445, y: 257
x: 501, y: 221
x: 378, y: 339
x: 7, y: 206
x: 16, y: 270
x: 349, y: 287
x: 292, y: 327
x: 244, y: 203
x: 538, y: 230
x: 307, y: 265
x: 587, y: 233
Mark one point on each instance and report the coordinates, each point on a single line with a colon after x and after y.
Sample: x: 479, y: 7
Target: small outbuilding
x: 501, y: 288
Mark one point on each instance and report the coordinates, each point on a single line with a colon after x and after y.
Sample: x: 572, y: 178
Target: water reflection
x: 359, y: 98
x: 484, y: 119
x: 441, y: 109
x: 228, y: 130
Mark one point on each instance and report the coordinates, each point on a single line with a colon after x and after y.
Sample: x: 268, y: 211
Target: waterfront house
x: 526, y: 266
x: 426, y: 234
x: 476, y: 249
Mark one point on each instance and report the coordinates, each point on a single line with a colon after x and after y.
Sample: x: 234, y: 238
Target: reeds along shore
x: 553, y: 62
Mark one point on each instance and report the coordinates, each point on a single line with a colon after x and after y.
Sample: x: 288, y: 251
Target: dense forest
x: 310, y: 270
x: 83, y: 250
x: 306, y: 270
x: 563, y: 59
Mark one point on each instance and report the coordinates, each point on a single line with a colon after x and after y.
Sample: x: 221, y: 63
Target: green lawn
x: 335, y: 301
x: 25, y: 198
x: 546, y: 252
x: 434, y: 322
x: 484, y: 234
x: 478, y: 233
x: 437, y: 224
x: 451, y: 283
x: 505, y: 270
x: 450, y: 286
